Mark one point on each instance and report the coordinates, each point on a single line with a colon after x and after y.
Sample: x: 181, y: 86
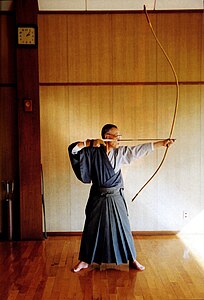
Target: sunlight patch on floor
x: 192, y: 236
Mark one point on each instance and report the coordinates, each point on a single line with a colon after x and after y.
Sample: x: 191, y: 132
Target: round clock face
x: 26, y: 36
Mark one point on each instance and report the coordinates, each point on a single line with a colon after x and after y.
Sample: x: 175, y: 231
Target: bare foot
x: 136, y: 265
x: 80, y: 266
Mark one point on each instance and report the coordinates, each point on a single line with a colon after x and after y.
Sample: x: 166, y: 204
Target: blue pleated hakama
x: 107, y: 236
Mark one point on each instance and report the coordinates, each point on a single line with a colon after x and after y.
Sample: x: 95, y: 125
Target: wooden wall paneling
x: 166, y: 97
x: 89, y: 109
x: 146, y: 209
x: 54, y: 141
x: 53, y: 48
x: 80, y: 112
x: 9, y: 135
x: 190, y: 46
x: 168, y: 190
x: 83, y: 110
x: 29, y: 164
x: 7, y: 49
x: 184, y: 161
x: 147, y: 115
x: 169, y: 34
x: 202, y: 111
x: 180, y: 35
x: 29, y: 129
x: 146, y: 50
x: 124, y: 37
x: 8, y: 121
x: 100, y: 47
x: 82, y: 126
x: 190, y: 59
x: 79, y: 51
x: 135, y: 109
x: 118, y: 105
x: 194, y: 151
x: 202, y: 143
x: 202, y: 48
x: 101, y: 108
x: 133, y: 49
x: 139, y: 111
x: 9, y: 150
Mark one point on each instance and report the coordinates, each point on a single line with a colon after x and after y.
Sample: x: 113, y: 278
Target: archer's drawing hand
x: 98, y: 143
x: 94, y: 143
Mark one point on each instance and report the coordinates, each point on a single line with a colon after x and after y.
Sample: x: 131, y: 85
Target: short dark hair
x: 106, y: 128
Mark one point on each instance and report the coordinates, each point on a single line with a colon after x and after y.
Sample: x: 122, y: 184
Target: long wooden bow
x: 176, y: 103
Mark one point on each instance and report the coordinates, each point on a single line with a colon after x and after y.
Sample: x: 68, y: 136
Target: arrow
x: 132, y: 140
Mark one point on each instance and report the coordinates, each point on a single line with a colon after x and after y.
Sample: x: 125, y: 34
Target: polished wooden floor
x: 42, y: 270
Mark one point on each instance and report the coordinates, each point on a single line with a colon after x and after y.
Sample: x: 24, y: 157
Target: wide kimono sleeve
x: 128, y: 154
x: 81, y: 163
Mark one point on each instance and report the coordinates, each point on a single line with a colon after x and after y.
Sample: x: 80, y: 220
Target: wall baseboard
x: 135, y: 233
x: 154, y: 233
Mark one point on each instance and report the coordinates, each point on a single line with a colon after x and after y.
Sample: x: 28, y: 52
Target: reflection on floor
x: 42, y: 270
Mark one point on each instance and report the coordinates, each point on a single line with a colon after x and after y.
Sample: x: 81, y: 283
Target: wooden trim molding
x: 118, y: 83
x: 134, y: 233
x: 29, y: 129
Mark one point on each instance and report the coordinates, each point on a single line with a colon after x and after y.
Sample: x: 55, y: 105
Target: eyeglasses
x: 116, y: 136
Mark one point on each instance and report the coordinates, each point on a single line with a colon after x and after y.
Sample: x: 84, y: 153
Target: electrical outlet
x: 185, y: 214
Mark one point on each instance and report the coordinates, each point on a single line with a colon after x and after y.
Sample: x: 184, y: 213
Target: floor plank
x: 43, y: 270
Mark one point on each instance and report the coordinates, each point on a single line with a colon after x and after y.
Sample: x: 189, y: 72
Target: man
x: 107, y: 236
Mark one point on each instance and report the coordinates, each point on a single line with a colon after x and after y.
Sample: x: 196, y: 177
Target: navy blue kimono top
x: 91, y: 164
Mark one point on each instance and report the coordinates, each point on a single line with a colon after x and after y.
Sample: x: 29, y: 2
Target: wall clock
x: 27, y: 35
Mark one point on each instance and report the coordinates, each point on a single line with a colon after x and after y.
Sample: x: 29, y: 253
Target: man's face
x: 114, y: 135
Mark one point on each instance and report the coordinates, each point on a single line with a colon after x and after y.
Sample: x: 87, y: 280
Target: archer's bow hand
x: 164, y: 143
x: 167, y: 143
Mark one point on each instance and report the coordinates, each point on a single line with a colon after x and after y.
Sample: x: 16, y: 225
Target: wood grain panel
x: 134, y: 110
x: 90, y: 107
x: 9, y: 151
x: 7, y: 49
x: 181, y: 37
x: 202, y: 50
x: 8, y: 119
x: 202, y: 140
x: 89, y: 48
x: 102, y: 110
x: 78, y: 116
x: 169, y: 34
x: 54, y: 141
x: 29, y: 129
x: 133, y: 56
x: 190, y: 50
x: 119, y: 47
x: 141, y: 111
x: 180, y: 174
x: 8, y: 122
x: 53, y: 48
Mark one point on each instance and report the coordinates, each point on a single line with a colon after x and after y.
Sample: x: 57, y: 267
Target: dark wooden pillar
x: 29, y: 129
